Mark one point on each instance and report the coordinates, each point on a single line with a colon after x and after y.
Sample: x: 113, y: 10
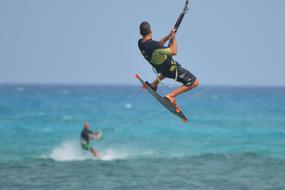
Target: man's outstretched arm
x: 173, y: 45
x: 164, y: 40
x: 172, y: 49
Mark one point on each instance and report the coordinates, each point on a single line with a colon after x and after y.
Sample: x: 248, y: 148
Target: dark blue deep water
x: 234, y: 140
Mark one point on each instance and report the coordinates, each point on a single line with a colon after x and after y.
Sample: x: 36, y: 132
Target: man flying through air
x: 160, y: 57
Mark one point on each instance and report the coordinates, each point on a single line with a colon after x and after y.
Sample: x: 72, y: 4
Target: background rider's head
x: 86, y: 125
x: 145, y: 29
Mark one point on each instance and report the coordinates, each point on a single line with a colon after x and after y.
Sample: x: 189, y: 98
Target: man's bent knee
x: 195, y: 84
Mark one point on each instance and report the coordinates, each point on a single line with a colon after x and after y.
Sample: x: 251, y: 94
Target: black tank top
x: 147, y: 48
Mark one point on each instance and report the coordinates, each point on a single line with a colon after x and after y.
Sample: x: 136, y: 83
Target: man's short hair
x: 145, y: 28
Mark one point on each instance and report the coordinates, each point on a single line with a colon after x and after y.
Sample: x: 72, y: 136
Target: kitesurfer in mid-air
x: 86, y: 136
x: 160, y: 57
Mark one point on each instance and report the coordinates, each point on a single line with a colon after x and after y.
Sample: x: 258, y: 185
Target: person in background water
x: 86, y: 136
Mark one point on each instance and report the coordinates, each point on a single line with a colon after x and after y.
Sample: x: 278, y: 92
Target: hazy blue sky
x: 223, y: 42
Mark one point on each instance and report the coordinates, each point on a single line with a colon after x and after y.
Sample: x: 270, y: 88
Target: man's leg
x: 156, y: 82
x: 95, y: 152
x: 171, y: 96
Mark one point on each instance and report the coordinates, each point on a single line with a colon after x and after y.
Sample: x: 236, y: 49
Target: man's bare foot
x: 171, y: 98
x: 98, y: 154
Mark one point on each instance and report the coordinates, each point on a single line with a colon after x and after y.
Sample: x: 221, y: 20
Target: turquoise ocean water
x: 234, y: 140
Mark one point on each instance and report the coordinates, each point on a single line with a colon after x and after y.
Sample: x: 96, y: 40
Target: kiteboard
x: 162, y: 100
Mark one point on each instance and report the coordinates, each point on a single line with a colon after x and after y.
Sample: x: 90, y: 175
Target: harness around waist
x: 164, y: 67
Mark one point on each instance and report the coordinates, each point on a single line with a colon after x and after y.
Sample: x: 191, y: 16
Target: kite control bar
x: 180, y: 18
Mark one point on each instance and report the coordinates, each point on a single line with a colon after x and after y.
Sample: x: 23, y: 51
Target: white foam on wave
x: 67, y: 118
x: 41, y: 113
x: 128, y: 105
x: 111, y: 154
x: 124, y: 154
x: 21, y: 89
x: 46, y: 130
x: 215, y: 97
x: 68, y: 151
x: 71, y: 151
